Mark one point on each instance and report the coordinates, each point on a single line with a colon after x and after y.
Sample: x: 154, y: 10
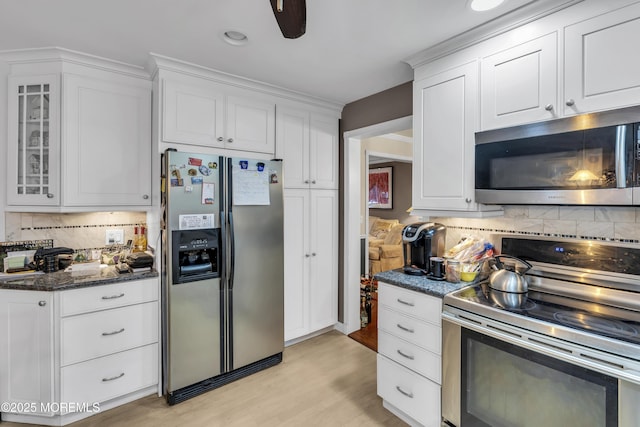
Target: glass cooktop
x: 613, y: 322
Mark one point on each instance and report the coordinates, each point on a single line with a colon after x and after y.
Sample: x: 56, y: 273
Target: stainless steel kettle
x: 506, y: 280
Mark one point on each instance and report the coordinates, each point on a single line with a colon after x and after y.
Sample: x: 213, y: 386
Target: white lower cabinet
x: 26, y: 351
x: 109, y: 377
x: 409, y: 393
x: 311, y: 261
x: 409, y: 361
x: 70, y: 353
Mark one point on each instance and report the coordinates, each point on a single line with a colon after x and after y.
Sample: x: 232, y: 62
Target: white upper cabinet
x: 601, y: 67
x: 308, y: 144
x: 86, y: 146
x: 519, y: 84
x: 444, y: 121
x: 198, y: 111
x: 323, y: 152
x: 107, y: 142
x: 192, y: 111
x: 33, y: 149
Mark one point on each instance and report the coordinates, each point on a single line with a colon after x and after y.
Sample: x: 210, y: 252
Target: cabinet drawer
x: 422, y: 334
x: 100, y: 333
x: 111, y: 376
x: 411, y: 393
x: 411, y: 356
x: 84, y: 300
x: 412, y: 303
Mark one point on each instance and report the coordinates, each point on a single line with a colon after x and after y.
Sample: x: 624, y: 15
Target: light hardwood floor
x: 329, y: 380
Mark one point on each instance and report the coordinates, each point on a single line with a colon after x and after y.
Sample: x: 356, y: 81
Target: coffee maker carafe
x: 421, y: 241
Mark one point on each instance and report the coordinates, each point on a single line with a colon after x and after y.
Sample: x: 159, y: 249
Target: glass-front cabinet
x: 33, y: 148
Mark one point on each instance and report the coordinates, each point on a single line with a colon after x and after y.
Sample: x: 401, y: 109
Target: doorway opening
x: 356, y: 212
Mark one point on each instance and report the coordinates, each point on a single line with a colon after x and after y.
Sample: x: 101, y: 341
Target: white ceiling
x: 352, y: 48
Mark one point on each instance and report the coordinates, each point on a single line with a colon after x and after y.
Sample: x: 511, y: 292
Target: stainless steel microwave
x: 590, y: 159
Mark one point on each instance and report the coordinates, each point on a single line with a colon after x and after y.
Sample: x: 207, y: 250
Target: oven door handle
x: 535, y: 342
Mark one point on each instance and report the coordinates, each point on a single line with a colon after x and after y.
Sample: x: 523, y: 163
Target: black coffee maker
x: 422, y: 240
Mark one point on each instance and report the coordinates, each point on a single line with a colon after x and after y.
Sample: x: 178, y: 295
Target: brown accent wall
x: 381, y: 107
x: 400, y: 193
x: 390, y: 104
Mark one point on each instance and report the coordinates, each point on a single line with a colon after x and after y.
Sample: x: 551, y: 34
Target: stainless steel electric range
x: 566, y: 353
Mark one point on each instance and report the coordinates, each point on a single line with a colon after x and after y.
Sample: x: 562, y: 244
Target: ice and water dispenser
x: 195, y: 255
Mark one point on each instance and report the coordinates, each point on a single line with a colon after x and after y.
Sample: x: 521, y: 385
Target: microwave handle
x: 621, y: 158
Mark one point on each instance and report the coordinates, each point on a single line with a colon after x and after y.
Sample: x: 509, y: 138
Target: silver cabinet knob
x: 230, y: 140
x: 220, y: 138
x: 306, y: 181
x: 313, y: 254
x: 313, y: 182
x: 468, y: 200
x: 570, y: 102
x: 42, y: 303
x: 49, y: 196
x: 548, y: 107
x: 307, y: 255
x: 146, y: 196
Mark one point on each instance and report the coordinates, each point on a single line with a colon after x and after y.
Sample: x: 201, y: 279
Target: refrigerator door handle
x: 232, y: 251
x: 232, y: 255
x: 223, y: 242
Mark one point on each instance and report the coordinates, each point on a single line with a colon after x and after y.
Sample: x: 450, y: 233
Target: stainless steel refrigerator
x: 223, y: 270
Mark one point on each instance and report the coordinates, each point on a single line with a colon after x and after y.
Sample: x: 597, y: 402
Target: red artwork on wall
x: 380, y: 186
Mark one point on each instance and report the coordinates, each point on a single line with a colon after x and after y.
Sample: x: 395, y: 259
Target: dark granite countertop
x: 60, y: 280
x: 436, y: 288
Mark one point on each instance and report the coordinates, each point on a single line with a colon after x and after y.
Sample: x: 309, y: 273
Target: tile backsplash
x: 72, y: 230
x: 609, y: 223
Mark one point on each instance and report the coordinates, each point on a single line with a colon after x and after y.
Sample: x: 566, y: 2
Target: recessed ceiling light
x: 235, y: 38
x: 482, y: 5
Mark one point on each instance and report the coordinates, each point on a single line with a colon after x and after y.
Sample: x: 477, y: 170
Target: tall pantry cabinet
x: 308, y: 144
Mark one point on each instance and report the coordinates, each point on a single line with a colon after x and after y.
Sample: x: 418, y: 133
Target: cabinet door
x: 323, y: 280
x: 323, y: 152
x: 519, y: 85
x: 26, y: 348
x: 445, y: 119
x: 33, y: 149
x: 296, y: 263
x: 601, y: 69
x: 192, y: 111
x: 292, y: 146
x: 107, y: 142
x: 250, y: 125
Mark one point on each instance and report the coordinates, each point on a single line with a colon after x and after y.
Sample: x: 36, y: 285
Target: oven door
x: 491, y: 381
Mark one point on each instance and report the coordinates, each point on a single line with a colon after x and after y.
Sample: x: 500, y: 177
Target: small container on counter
x: 453, y: 271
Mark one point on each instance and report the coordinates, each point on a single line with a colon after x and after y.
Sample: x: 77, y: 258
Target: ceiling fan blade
x: 292, y: 20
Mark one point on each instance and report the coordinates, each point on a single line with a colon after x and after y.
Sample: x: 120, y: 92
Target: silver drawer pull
x: 410, y: 304
x: 114, y: 296
x: 406, y: 393
x: 113, y: 378
x: 404, y: 328
x: 403, y: 354
x: 105, y: 334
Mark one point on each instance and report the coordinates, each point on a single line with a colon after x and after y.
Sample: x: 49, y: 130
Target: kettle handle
x: 501, y: 266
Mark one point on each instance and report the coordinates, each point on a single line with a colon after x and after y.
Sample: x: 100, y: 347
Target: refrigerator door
x: 194, y: 333
x: 192, y: 312
x: 256, y: 281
